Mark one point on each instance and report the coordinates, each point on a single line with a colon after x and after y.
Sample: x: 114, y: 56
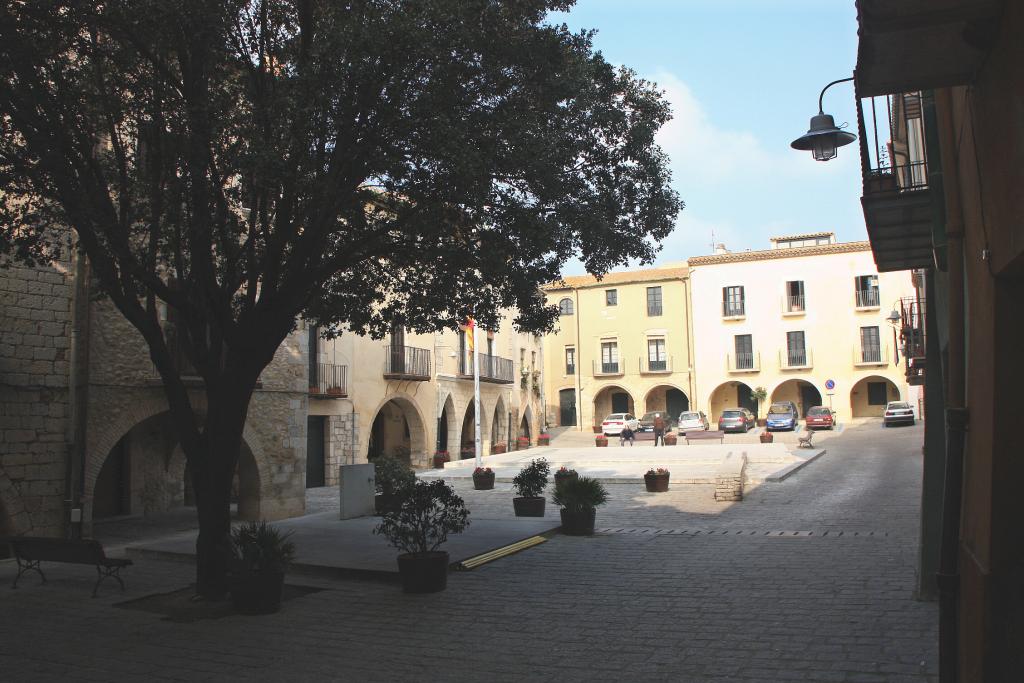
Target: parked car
x: 898, y: 413
x: 693, y: 421
x: 736, y: 420
x: 782, y: 415
x: 614, y: 423
x: 647, y: 421
x: 820, y: 417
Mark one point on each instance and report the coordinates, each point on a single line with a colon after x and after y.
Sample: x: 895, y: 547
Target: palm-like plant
x: 259, y: 547
x: 579, y: 494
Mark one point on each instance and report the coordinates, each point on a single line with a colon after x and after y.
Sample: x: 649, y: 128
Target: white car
x: 898, y: 412
x: 614, y: 423
x: 693, y: 421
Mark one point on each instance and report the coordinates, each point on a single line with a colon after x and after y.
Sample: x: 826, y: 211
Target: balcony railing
x: 406, y: 362
x: 331, y: 381
x: 743, y: 362
x: 607, y: 368
x: 648, y: 366
x: 912, y: 338
x: 871, y: 355
x: 794, y: 304
x: 796, y: 359
x: 492, y: 369
x: 570, y: 369
x: 733, y: 309
x: 867, y: 298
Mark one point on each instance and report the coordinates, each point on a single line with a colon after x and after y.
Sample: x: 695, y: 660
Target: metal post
x: 476, y: 393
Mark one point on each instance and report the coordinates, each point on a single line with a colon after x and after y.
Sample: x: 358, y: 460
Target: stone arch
x: 866, y: 401
x: 731, y: 394
x: 14, y: 517
x: 448, y: 427
x: 798, y: 390
x: 417, y: 432
x: 606, y: 403
x: 526, y: 426
x: 499, y: 422
x: 667, y: 397
x: 467, y: 430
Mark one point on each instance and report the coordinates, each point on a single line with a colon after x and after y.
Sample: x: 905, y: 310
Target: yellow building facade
x: 621, y: 345
x: 806, y: 320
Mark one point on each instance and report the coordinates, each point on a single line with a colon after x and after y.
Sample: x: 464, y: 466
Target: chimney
x: 720, y: 249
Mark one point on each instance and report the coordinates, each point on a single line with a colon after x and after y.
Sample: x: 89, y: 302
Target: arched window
x: 565, y: 306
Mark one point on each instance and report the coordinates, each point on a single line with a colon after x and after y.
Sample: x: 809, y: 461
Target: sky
x: 743, y: 78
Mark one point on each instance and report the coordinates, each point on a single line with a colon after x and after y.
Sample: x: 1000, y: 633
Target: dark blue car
x: 782, y: 415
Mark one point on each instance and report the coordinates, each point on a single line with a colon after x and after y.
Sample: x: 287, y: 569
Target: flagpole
x: 476, y: 395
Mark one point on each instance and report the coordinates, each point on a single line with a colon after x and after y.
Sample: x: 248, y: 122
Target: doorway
x: 620, y: 402
x: 315, y: 461
x: 567, y: 407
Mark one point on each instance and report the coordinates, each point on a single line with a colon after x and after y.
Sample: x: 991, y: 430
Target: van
x: 782, y: 415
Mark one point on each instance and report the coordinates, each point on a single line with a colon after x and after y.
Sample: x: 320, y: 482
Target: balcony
x: 796, y: 359
x: 866, y: 299
x: 743, y: 362
x: 733, y: 310
x: 493, y: 369
x: 912, y: 338
x: 654, y: 367
x: 868, y: 356
x: 330, y: 381
x: 897, y: 199
x: 794, y: 305
x: 406, y: 363
x: 608, y: 369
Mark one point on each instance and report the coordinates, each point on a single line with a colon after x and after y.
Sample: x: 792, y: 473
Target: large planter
x: 386, y: 502
x: 597, y: 429
x: 670, y: 439
x: 601, y: 442
x: 440, y: 460
x: 523, y: 442
x: 256, y: 593
x: 498, y: 448
x: 466, y: 454
x: 543, y: 440
x: 423, y: 572
x: 483, y: 482
x: 762, y: 422
x: 656, y: 483
x: 767, y: 437
x: 559, y: 478
x: 578, y: 523
x: 528, y: 507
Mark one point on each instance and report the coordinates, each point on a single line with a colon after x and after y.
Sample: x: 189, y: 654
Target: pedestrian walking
x: 626, y: 435
x: 659, y: 429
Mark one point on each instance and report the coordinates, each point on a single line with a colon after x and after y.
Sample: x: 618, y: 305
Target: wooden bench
x: 29, y: 551
x: 705, y: 436
x: 806, y: 441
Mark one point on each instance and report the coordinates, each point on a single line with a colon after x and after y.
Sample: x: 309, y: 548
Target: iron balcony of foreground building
x: 494, y: 369
x: 912, y: 338
x: 330, y: 381
x: 406, y: 363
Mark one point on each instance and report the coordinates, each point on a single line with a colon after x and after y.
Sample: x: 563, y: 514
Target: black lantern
x: 823, y: 137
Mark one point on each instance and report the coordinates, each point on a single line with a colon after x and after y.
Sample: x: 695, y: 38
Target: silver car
x: 693, y: 421
x: 898, y: 412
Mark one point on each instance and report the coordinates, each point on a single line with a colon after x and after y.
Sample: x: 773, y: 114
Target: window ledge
x: 744, y: 369
x: 869, y: 363
x: 867, y: 308
x: 793, y: 313
x: 734, y: 317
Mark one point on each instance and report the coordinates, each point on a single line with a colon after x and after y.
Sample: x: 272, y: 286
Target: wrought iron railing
x: 872, y: 354
x: 893, y: 153
x: 867, y: 298
x: 795, y: 304
x: 570, y: 369
x: 607, y: 368
x: 330, y: 381
x: 492, y: 368
x: 407, y: 361
x: 796, y: 358
x: 743, y: 361
x: 732, y: 309
x: 649, y: 365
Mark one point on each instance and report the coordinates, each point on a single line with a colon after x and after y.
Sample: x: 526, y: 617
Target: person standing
x: 659, y: 429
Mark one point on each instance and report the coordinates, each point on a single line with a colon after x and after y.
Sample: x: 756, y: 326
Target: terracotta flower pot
x: 601, y: 442
x: 528, y: 507
x: 670, y: 439
x: 440, y: 460
x: 656, y: 483
x: 767, y: 437
x: 467, y: 454
x: 498, y: 448
x: 597, y: 429
x: 543, y: 440
x: 523, y: 442
x: 423, y: 572
x: 483, y: 481
x: 578, y: 523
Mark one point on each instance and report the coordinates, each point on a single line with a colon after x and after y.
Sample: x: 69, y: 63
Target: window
x: 533, y: 360
x: 611, y: 297
x: 565, y: 306
x: 657, y: 361
x: 795, y: 296
x: 867, y: 291
x: 796, y: 352
x: 654, y: 301
x: 732, y: 301
x: 609, y: 357
x: 744, y: 352
x: 870, y: 349
x: 570, y: 360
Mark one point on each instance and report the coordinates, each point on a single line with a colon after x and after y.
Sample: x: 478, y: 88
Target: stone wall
x: 35, y: 336
x: 729, y: 478
x: 342, y: 442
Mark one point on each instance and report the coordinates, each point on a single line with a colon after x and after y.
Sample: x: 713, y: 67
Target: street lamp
x: 823, y: 137
x: 895, y: 319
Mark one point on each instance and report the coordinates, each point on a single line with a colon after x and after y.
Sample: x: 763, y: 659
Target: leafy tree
x: 359, y: 163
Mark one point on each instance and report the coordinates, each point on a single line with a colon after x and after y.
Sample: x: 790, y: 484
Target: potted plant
x: 670, y: 439
x: 529, y: 484
x: 440, y: 458
x: 598, y: 429
x: 498, y: 448
x: 579, y: 497
x: 760, y: 395
x: 601, y: 441
x: 483, y: 479
x: 467, y: 453
x: 767, y: 437
x: 564, y: 474
x: 428, y: 513
x: 260, y: 555
x: 391, y: 477
x: 656, y: 480
x: 523, y: 442
x: 543, y: 439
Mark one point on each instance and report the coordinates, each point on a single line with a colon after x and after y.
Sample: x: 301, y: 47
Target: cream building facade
x: 806, y: 320
x: 622, y: 344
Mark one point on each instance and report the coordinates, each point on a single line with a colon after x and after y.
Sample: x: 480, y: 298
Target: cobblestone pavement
x: 680, y: 589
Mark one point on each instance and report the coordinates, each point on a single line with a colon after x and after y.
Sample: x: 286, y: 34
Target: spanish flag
x: 470, y: 333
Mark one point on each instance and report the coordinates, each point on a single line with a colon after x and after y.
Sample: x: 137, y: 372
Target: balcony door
x: 397, y: 350
x: 657, y: 360
x: 744, y: 352
x: 610, y: 358
x: 796, y: 352
x: 870, y: 346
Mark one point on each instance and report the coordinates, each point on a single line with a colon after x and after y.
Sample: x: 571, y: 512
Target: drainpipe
x: 948, y: 576
x: 78, y: 395
x: 579, y: 362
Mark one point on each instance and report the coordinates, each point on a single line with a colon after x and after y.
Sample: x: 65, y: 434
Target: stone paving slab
x: 323, y: 542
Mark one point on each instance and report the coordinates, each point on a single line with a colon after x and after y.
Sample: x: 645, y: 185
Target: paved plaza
x: 808, y: 579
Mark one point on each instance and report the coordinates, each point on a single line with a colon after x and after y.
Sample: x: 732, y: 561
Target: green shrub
x: 258, y: 547
x: 392, y: 475
x: 532, y: 479
x: 427, y: 514
x: 579, y: 494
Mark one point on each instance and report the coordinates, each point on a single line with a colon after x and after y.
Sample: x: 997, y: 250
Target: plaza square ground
x: 808, y: 579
